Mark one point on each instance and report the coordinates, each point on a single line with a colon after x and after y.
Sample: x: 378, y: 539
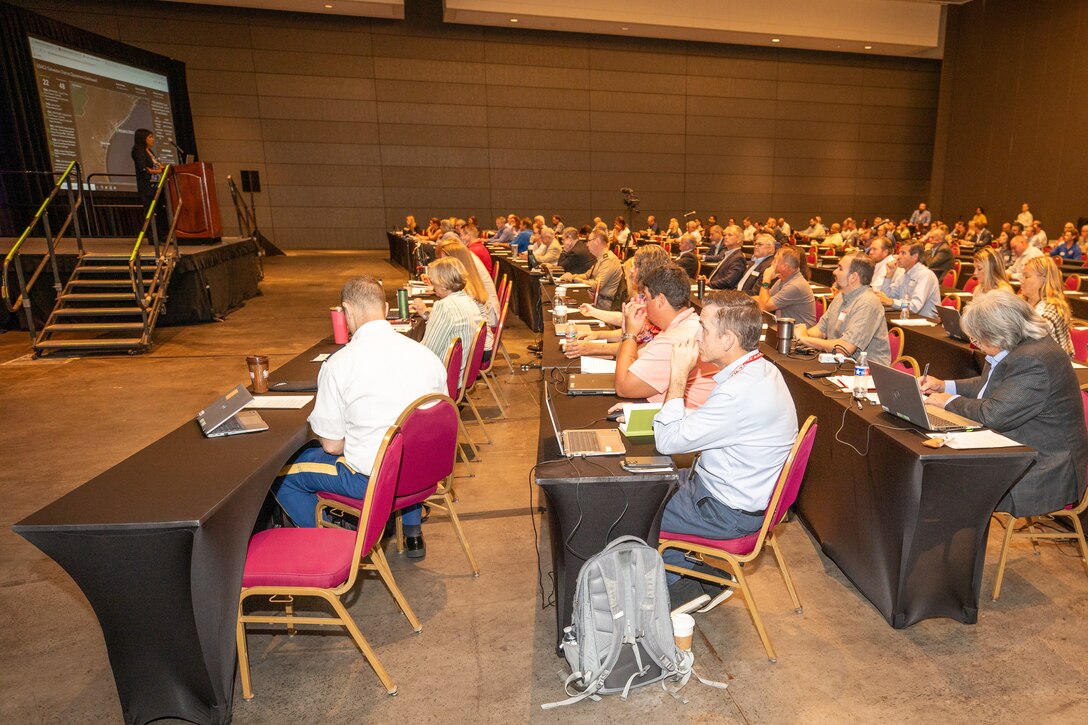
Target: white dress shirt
x: 880, y: 272
x: 918, y: 286
x: 364, y: 387
x: 745, y: 430
x: 1017, y: 267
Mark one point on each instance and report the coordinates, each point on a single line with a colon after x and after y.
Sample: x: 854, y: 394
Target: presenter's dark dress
x: 145, y: 189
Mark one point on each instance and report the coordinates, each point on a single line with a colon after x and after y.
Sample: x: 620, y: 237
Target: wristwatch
x: 627, y: 336
x: 766, y: 285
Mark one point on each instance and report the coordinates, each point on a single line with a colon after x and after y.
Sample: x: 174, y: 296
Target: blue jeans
x: 692, y: 510
x: 315, y: 470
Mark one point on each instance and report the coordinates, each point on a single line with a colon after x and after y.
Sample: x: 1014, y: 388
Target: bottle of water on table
x: 861, y: 375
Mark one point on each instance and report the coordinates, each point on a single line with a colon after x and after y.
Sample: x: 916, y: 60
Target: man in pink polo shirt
x: 644, y: 372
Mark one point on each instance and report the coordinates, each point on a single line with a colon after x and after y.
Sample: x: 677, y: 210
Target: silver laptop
x: 950, y: 320
x: 225, y: 416
x: 901, y: 395
x: 591, y: 384
x: 587, y: 442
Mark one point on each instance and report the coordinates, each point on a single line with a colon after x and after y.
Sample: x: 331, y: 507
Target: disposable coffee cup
x: 560, y: 312
x: 339, y: 325
x: 683, y: 627
x: 258, y: 372
x: 560, y: 291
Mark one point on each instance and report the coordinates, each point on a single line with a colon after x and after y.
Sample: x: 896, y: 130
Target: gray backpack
x: 621, y: 633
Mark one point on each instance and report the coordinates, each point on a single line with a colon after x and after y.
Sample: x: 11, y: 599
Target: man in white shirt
x: 879, y: 249
x: 361, y: 390
x: 1021, y: 253
x: 749, y: 231
x: 744, y: 432
x: 834, y: 239
x: 1025, y: 216
x: 692, y: 228
x: 1038, y: 238
x: 815, y: 231
x: 913, y: 285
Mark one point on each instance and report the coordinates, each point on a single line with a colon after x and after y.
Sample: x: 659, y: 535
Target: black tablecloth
x: 525, y: 300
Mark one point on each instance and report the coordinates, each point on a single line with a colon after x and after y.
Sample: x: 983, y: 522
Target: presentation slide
x: 92, y: 106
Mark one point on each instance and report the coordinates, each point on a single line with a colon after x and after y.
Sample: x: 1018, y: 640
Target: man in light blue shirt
x: 504, y: 230
x: 920, y: 217
x: 913, y: 285
x: 744, y: 432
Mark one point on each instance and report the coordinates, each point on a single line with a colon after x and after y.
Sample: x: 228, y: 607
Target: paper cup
x: 683, y: 627
x: 560, y: 312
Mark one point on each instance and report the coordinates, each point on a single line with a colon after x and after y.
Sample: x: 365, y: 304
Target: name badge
x: 842, y: 316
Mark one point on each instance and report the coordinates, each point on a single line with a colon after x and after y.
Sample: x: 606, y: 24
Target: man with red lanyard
x: 744, y: 432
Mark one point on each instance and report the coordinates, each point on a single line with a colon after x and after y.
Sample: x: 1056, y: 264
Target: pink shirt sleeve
x: 653, y: 364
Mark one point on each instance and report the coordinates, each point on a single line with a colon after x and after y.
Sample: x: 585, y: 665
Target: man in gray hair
x: 1027, y: 391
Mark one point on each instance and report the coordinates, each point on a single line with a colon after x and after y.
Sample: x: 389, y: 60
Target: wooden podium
x: 199, y: 220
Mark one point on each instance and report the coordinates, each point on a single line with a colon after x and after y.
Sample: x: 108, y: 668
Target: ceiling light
x: 513, y: 20
x: 328, y: 7
x: 776, y: 40
x: 868, y: 47
x: 624, y: 28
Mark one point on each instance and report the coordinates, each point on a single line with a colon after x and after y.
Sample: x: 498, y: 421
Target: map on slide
x: 105, y: 122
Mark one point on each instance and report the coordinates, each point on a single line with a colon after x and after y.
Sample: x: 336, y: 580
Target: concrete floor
x: 485, y: 651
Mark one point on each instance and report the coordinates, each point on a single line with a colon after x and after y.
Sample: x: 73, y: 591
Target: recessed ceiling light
x: 513, y: 20
x: 868, y: 47
x: 776, y: 40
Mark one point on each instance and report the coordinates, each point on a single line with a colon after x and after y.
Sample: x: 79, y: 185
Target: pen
x: 925, y: 372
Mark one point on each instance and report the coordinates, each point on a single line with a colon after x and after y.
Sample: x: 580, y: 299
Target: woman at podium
x: 148, y: 170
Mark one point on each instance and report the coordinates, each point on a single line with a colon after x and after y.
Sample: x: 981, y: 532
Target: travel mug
x: 258, y: 372
x: 339, y: 325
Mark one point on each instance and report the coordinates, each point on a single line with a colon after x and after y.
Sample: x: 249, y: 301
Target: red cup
x: 339, y: 325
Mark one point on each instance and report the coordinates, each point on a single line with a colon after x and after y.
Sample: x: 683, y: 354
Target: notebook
x: 587, y: 442
x: 901, y: 395
x: 225, y: 416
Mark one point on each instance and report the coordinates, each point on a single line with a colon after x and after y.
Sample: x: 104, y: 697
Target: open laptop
x: 225, y: 416
x: 950, y: 319
x: 586, y: 442
x: 901, y: 395
x: 591, y: 384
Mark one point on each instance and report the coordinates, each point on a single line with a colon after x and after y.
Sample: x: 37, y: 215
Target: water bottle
x: 571, y: 331
x: 861, y: 372
x: 904, y: 308
x: 701, y: 283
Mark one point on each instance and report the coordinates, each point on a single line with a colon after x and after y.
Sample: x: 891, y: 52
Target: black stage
x: 208, y: 282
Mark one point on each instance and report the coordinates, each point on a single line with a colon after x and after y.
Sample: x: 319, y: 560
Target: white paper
x: 575, y: 285
x: 322, y: 357
x: 592, y: 364
x: 402, y: 326
x: 913, y: 322
x: 1078, y: 365
x: 847, y: 381
x: 976, y: 439
x: 282, y: 402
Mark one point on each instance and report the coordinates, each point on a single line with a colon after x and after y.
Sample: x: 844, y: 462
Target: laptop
x: 225, y: 416
x: 950, y: 319
x: 901, y: 395
x: 588, y: 442
x: 591, y: 384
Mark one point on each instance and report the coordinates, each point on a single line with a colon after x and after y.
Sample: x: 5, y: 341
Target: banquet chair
x: 472, y: 373
x: 455, y: 388
x: 286, y: 563
x: 969, y: 285
x: 895, y: 342
x: 957, y: 265
x: 1072, y: 513
x: 487, y: 369
x: 495, y: 271
x: 735, y: 553
x: 1080, y: 344
x: 952, y: 301
x: 503, y: 297
x: 1072, y: 283
x: 820, y: 306
x: 908, y: 365
x: 950, y: 279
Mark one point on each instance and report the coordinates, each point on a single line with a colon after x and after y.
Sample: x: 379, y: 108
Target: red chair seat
x: 740, y: 546
x: 299, y: 558
x: 355, y: 503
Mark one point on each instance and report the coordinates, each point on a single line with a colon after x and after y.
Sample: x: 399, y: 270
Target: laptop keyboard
x: 939, y: 422
x: 583, y: 440
x: 230, y: 425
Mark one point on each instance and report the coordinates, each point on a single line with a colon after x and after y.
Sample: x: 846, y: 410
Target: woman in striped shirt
x: 455, y: 313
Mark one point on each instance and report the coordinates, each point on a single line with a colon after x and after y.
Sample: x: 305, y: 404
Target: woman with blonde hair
x: 1042, y: 287
x: 674, y: 231
x: 989, y: 271
x: 479, y: 285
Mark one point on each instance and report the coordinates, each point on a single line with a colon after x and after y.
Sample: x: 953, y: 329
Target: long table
x: 158, y: 544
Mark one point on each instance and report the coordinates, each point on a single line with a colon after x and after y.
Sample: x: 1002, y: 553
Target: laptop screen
x: 551, y: 415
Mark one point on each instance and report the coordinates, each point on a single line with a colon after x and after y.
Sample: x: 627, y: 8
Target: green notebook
x: 638, y: 419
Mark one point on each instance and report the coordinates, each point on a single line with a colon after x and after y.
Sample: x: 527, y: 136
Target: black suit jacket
x: 1034, y: 398
x: 689, y: 262
x: 939, y: 259
x: 729, y: 271
x: 578, y: 260
x: 751, y: 284
x: 715, y: 253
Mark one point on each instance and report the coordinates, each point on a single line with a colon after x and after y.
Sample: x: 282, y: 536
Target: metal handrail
x: 162, y: 251
x: 75, y: 201
x: 246, y: 220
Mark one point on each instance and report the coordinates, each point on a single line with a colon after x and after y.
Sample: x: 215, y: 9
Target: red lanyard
x: 736, y: 370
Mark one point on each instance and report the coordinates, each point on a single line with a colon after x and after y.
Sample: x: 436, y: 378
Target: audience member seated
x: 643, y: 371
x: 748, y: 230
x: 433, y: 230
x: 814, y: 231
x: 762, y: 258
x: 361, y: 391
x: 716, y: 250
x: 854, y: 322
x: 1037, y: 234
x: 674, y: 231
x: 731, y: 268
x: 1067, y: 248
x: 1042, y: 287
x: 548, y: 249
x: 879, y: 249
x: 743, y: 432
x: 938, y: 254
x: 576, y: 257
x: 989, y: 271
x: 912, y: 285
x: 1021, y: 253
x: 790, y: 295
x: 1029, y: 392
x: 470, y: 237
x: 695, y: 229
x: 605, y: 276
x: 478, y: 283
x: 557, y: 224
x: 505, y: 229
x: 652, y: 227
x: 410, y: 226
x: 688, y: 260
x: 520, y: 243
x: 454, y: 313
x: 834, y: 239
x: 620, y: 234
x: 1082, y: 240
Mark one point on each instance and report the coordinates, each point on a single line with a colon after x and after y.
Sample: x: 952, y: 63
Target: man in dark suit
x: 716, y: 251
x: 1029, y: 392
x: 762, y: 257
x: 938, y: 255
x: 576, y: 257
x: 731, y: 268
x: 689, y: 256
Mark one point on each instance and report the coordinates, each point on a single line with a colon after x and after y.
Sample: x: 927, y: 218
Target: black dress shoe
x: 414, y: 548
x: 535, y: 346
